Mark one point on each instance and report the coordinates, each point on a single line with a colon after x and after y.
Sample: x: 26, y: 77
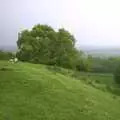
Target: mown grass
x: 33, y: 92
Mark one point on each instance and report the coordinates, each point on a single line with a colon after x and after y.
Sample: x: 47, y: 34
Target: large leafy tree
x: 42, y: 44
x: 33, y: 45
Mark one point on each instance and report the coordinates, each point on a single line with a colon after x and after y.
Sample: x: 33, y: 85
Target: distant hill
x: 101, y: 52
x: 8, y: 48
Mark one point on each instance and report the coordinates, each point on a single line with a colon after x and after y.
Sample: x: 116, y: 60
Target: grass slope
x: 32, y: 92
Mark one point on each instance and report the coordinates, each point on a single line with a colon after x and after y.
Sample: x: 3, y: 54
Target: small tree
x: 117, y: 75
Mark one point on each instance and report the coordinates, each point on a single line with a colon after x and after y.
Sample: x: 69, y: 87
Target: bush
x: 117, y: 75
x: 5, y: 55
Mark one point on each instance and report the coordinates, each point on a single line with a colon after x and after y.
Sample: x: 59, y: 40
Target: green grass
x: 101, y: 78
x: 106, y: 79
x: 33, y: 92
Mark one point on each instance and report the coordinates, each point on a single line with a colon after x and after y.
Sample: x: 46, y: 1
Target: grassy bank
x: 33, y: 92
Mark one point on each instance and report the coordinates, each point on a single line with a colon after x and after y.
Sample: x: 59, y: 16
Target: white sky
x: 93, y: 22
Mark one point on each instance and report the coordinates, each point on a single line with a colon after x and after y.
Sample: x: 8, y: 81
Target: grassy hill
x: 33, y: 92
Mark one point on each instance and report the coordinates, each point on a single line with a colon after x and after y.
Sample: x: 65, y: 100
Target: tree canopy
x: 42, y: 44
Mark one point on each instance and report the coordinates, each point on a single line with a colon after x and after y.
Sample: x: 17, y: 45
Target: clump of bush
x: 5, y: 55
x: 117, y: 75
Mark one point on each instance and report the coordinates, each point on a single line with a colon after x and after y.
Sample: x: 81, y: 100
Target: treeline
x: 42, y: 44
x: 104, y: 65
x: 107, y: 65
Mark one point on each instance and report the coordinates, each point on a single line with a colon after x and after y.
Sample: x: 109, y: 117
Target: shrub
x: 117, y: 75
x: 5, y: 55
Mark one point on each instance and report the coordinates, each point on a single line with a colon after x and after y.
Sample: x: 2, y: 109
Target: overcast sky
x: 93, y: 22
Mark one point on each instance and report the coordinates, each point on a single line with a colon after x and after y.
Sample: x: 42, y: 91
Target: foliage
x: 5, y: 55
x: 44, y: 45
x: 104, y: 65
x: 84, y: 62
x: 117, y: 75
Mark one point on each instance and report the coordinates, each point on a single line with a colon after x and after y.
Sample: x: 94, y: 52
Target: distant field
x: 102, y: 51
x: 34, y: 92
